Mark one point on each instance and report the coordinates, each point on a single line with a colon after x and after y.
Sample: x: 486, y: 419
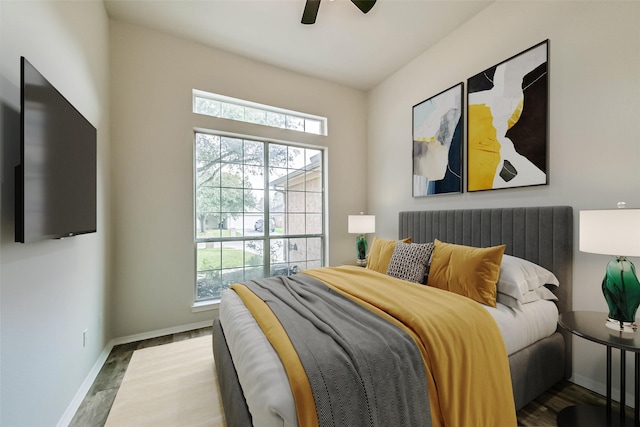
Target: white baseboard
x: 84, y: 388
x: 97, y: 366
x: 162, y: 332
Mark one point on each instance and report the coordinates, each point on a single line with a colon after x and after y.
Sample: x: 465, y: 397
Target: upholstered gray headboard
x: 543, y: 235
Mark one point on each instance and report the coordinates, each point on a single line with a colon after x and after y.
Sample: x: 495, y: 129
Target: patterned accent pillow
x: 409, y: 261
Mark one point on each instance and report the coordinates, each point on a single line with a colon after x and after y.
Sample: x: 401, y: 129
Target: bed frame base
x: 236, y: 412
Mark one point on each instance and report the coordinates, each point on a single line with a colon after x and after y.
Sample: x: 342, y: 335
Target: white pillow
x: 541, y: 293
x: 518, y: 277
x: 509, y: 301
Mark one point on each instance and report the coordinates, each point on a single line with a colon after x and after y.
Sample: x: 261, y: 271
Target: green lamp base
x: 621, y: 290
x: 361, y: 248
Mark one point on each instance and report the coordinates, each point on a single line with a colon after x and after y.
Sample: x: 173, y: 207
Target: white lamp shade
x: 611, y: 232
x: 362, y: 224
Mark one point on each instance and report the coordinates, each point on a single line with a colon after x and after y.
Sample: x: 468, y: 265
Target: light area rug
x: 169, y: 385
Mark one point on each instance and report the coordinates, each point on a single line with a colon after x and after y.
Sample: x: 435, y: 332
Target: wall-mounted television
x: 56, y: 179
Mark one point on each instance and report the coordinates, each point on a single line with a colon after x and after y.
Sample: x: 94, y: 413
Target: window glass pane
x: 231, y: 150
x: 251, y: 273
x: 231, y: 176
x: 278, y: 155
x: 314, y: 181
x: 314, y: 264
x: 207, y: 208
x: 280, y: 269
x: 208, y: 285
x: 253, y: 253
x: 232, y: 111
x: 207, y: 106
x: 313, y: 159
x: 314, y: 223
x: 207, y: 147
x: 314, y: 249
x: 231, y: 199
x: 253, y: 153
x: 277, y: 178
x: 254, y: 176
x: 295, y: 123
x: 253, y: 201
x: 231, y: 276
x: 254, y: 115
x: 276, y: 201
x: 296, y: 224
x: 208, y: 256
x: 313, y: 126
x: 313, y: 203
x: 296, y: 181
x: 259, y: 227
x: 297, y: 250
x: 232, y: 254
x: 277, y: 223
x: 208, y: 174
x: 207, y: 277
x: 277, y: 249
x: 296, y: 158
x: 276, y: 120
x: 296, y: 202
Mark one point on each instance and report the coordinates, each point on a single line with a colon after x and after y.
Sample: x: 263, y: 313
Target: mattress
x: 521, y: 328
x: 265, y: 384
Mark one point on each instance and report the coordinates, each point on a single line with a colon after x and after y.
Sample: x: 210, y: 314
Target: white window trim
x: 268, y: 108
x: 201, y: 306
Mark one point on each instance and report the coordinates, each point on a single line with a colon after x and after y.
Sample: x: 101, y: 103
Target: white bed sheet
x: 264, y: 381
x: 521, y: 328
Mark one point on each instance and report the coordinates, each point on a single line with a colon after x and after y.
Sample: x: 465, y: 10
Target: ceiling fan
x: 311, y: 9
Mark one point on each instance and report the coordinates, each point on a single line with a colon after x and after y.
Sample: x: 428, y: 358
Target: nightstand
x: 591, y: 326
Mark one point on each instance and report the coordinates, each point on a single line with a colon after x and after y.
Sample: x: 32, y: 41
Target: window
x: 215, y: 105
x: 259, y: 210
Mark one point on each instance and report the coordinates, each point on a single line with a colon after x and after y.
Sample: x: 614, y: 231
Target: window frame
x: 267, y: 237
x: 236, y: 102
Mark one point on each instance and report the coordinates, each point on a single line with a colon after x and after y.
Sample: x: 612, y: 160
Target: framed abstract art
x: 437, y: 144
x: 507, y: 122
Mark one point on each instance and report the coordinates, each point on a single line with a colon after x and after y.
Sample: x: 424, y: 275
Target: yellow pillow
x: 465, y: 270
x: 381, y: 252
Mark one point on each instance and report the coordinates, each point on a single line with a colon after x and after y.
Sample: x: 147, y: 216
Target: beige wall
x: 594, y: 129
x: 152, y: 77
x: 52, y: 291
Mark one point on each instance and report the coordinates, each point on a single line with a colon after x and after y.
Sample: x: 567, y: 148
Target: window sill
x: 205, y: 306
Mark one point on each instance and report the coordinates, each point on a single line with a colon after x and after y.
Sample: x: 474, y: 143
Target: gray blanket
x: 363, y: 370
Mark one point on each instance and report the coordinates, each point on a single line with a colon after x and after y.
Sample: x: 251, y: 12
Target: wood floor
x: 95, y: 407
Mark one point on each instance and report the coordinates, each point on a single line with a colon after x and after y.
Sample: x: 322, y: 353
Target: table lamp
x: 361, y: 225
x: 615, y: 232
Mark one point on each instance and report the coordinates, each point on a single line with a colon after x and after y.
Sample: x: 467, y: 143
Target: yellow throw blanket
x: 465, y: 357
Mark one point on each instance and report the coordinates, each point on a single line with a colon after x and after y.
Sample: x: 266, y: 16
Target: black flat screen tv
x: 56, y: 180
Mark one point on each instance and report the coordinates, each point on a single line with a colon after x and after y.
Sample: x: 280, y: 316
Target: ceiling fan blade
x: 364, y: 5
x: 310, y: 11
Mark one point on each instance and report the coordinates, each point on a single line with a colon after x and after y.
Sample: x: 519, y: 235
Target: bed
x: 541, y: 235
